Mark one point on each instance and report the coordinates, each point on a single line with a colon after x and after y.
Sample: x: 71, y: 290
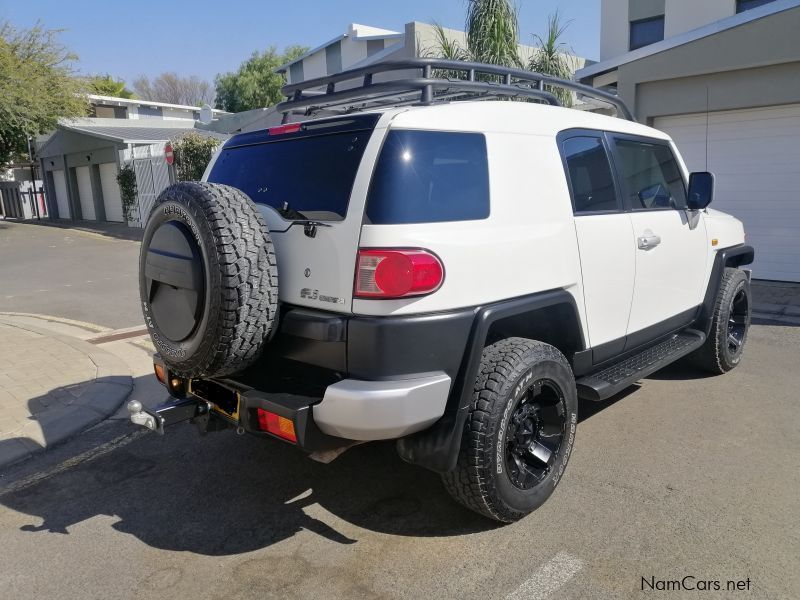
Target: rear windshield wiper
x: 298, y: 218
x: 290, y: 214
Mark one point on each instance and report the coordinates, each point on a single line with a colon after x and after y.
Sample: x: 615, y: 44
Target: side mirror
x: 701, y: 190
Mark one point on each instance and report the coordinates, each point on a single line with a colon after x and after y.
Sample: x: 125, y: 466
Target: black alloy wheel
x: 535, y: 434
x: 738, y: 319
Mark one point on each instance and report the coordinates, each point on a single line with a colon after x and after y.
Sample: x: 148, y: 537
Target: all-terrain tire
x: 208, y: 279
x: 509, y: 373
x: 723, y: 349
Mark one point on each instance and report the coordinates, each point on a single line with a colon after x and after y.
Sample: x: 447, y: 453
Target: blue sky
x: 204, y: 38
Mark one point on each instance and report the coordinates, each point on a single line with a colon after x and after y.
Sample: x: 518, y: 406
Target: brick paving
x: 51, y: 387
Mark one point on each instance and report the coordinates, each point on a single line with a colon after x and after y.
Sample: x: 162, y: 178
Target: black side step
x: 615, y: 378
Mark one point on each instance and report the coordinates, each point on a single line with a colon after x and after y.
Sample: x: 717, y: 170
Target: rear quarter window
x: 429, y: 177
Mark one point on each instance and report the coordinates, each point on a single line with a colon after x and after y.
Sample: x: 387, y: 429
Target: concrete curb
x: 93, y: 403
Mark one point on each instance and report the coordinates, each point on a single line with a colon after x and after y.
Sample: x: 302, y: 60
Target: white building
x: 80, y: 160
x: 722, y: 77
x: 362, y: 45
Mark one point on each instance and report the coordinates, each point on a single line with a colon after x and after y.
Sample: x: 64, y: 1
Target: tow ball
x: 166, y: 414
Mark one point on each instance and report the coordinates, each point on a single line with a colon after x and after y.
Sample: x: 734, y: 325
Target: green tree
x: 37, y: 86
x: 106, y: 85
x: 493, y: 32
x: 553, y: 57
x: 255, y: 84
x: 193, y: 152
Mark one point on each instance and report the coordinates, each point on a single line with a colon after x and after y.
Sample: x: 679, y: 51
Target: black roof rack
x: 460, y: 80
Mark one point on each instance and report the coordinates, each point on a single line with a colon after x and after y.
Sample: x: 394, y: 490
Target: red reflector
x: 281, y: 129
x: 397, y: 273
x: 276, y: 425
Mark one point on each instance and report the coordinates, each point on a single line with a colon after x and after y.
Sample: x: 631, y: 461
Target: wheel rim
x: 737, y: 322
x: 535, y: 434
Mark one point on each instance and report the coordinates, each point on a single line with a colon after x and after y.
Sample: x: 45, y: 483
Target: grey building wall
x: 644, y: 9
x: 333, y: 58
x: 755, y: 64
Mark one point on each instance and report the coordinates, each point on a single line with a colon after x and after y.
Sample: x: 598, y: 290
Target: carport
x: 81, y: 159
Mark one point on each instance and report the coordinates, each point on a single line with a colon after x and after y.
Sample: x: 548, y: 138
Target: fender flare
x: 437, y: 447
x: 735, y: 256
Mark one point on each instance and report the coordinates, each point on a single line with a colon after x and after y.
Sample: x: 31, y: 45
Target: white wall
x: 614, y: 28
x: 685, y: 15
x: 315, y: 65
x: 353, y: 51
x: 176, y: 113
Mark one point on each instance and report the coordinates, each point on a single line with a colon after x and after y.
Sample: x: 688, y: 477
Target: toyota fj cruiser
x: 413, y: 259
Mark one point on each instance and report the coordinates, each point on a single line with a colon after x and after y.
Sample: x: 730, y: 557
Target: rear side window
x: 650, y: 175
x: 313, y: 175
x: 590, y: 176
x: 429, y: 177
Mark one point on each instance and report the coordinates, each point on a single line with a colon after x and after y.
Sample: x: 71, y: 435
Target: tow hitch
x: 167, y: 414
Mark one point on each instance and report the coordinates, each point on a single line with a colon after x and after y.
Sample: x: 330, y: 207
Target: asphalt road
x: 69, y: 273
x: 686, y: 475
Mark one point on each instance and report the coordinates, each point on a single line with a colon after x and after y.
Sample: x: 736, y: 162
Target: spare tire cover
x: 208, y: 279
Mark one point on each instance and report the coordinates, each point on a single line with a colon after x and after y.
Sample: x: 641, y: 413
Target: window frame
x: 739, y: 3
x: 631, y: 47
x: 569, y: 134
x: 617, y: 162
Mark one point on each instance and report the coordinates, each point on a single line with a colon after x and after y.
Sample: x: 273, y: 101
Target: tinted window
x: 430, y: 176
x: 314, y: 175
x: 742, y: 5
x: 646, y: 32
x: 651, y: 177
x: 589, y: 175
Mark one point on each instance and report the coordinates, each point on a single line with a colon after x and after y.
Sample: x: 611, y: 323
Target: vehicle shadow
x: 224, y: 494
x: 588, y: 408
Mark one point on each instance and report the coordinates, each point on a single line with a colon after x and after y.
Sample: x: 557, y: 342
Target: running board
x: 615, y: 378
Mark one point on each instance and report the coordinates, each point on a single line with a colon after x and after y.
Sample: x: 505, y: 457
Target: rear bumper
x: 379, y: 410
x: 331, y: 416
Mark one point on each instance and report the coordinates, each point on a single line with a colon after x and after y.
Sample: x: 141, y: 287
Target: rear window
x: 313, y: 175
x: 429, y: 177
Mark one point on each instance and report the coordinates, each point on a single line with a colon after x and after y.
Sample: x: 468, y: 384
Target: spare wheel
x: 208, y: 279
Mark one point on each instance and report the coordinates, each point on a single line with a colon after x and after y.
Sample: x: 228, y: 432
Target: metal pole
x: 34, y: 199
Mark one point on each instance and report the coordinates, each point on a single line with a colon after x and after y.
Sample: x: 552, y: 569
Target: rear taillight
x: 397, y: 273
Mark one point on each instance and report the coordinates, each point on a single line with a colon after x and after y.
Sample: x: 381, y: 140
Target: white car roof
x: 511, y: 117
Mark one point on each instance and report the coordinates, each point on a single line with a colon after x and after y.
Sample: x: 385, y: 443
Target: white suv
x: 450, y: 271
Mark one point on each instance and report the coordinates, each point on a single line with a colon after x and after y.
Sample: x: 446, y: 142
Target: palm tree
x: 493, y: 32
x: 553, y: 57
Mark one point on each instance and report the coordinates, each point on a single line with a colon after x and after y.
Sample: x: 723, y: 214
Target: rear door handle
x: 648, y: 240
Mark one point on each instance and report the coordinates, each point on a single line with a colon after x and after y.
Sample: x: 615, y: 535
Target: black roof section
x: 430, y: 81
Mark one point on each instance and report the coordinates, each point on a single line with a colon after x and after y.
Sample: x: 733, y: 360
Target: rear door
x: 310, y: 182
x: 605, y: 240
x: 671, y: 244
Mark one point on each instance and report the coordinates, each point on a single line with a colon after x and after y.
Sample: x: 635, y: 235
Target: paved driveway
x: 69, y: 273
x: 684, y: 476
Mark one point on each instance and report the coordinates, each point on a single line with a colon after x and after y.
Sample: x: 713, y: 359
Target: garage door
x: 755, y: 155
x: 62, y: 200
x: 111, y: 198
x: 85, y: 193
